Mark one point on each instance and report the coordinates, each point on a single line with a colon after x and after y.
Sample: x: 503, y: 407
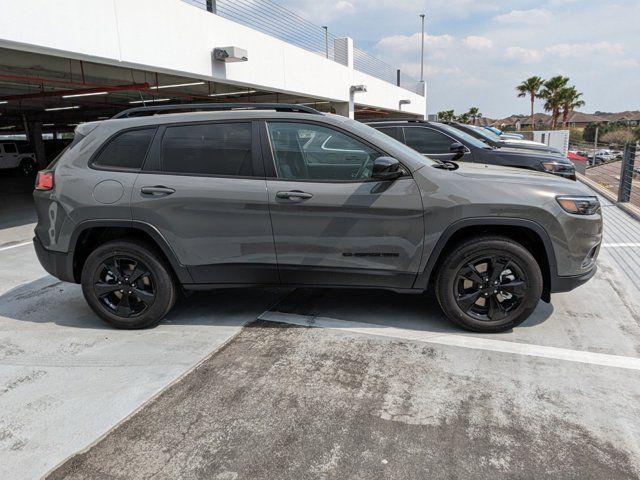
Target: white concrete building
x: 161, y: 51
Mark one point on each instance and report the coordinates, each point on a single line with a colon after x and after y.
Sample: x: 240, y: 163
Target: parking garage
x: 44, y: 97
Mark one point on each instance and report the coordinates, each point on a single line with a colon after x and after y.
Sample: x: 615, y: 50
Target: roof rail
x: 394, y: 120
x: 203, y: 107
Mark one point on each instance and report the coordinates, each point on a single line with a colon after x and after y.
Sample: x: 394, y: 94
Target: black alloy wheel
x: 489, y: 287
x: 129, y: 283
x: 125, y: 286
x: 488, y: 283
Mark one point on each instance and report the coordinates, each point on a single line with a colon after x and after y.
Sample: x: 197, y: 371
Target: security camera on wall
x: 230, y: 54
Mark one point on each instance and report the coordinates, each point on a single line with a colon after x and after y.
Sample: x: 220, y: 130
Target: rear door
x: 333, y: 224
x: 203, y: 189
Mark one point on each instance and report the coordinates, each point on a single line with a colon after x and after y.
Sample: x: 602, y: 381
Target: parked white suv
x: 11, y: 157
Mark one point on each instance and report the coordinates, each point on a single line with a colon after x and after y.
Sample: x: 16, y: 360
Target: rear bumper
x: 566, y: 284
x: 58, y: 264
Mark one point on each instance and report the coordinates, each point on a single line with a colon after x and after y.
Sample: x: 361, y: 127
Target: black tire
x: 467, y: 278
x: 28, y: 167
x: 146, y: 291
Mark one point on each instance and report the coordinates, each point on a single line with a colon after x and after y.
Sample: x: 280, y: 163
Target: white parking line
x: 2, y: 249
x: 619, y: 245
x: 457, y: 340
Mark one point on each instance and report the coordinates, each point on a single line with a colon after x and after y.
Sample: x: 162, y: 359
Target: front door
x: 333, y: 224
x: 434, y: 144
x: 203, y: 188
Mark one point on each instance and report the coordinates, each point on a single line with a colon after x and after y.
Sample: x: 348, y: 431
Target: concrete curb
x: 628, y: 208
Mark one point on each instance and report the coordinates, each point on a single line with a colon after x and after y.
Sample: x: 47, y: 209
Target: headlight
x: 579, y: 205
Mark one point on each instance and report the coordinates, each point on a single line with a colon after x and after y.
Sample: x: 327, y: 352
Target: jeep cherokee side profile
x: 197, y: 197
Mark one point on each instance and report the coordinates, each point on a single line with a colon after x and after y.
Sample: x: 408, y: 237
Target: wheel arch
x: 526, y: 232
x: 92, y: 233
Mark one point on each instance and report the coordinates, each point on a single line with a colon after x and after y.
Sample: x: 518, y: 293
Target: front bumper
x: 566, y: 284
x: 58, y: 264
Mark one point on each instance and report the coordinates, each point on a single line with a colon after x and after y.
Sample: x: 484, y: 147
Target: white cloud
x: 344, y: 7
x: 478, y: 43
x: 577, y: 50
x: 410, y: 43
x: 535, y: 16
x: 523, y: 55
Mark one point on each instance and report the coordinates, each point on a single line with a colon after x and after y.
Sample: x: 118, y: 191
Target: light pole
x: 422, y: 15
x: 326, y: 41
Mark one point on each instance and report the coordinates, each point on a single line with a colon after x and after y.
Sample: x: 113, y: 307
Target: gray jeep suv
x: 164, y: 199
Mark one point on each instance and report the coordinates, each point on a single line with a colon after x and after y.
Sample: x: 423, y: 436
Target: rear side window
x: 211, y: 149
x: 393, y: 132
x: 427, y: 140
x: 127, y: 150
x: 10, y: 148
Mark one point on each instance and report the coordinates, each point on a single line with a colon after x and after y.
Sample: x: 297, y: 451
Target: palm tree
x: 474, y: 113
x: 446, y: 115
x: 463, y: 118
x: 531, y: 87
x: 552, y: 94
x: 570, y: 100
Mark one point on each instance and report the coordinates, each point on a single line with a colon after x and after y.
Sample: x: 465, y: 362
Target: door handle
x: 294, y: 194
x: 157, y: 190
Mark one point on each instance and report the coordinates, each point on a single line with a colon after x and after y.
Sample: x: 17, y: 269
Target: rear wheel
x: 489, y: 284
x: 28, y: 167
x: 128, y: 284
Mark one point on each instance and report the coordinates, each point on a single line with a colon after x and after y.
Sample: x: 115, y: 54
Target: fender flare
x: 180, y: 270
x: 422, y: 280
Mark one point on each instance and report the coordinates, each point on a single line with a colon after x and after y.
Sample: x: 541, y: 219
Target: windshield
x: 386, y: 141
x: 488, y: 134
x: 462, y: 135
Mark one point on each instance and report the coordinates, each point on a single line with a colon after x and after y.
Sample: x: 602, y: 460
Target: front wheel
x: 128, y: 284
x: 489, y: 284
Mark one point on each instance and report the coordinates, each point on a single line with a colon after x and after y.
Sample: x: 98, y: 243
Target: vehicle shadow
x: 48, y: 300
x: 387, y: 309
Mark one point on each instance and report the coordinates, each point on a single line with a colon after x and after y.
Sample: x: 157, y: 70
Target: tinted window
x: 312, y: 152
x: 127, y: 150
x: 427, y: 140
x: 393, y: 132
x: 211, y: 149
x: 10, y: 148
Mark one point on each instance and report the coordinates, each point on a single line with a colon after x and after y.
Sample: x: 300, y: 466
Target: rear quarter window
x: 126, y: 151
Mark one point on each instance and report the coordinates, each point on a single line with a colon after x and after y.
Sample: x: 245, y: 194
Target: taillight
x: 44, y: 180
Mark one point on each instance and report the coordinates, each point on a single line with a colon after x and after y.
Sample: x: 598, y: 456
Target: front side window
x: 427, y: 140
x: 313, y: 152
x: 127, y: 150
x: 208, y: 149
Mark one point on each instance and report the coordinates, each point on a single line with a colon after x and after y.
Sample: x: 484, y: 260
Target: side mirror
x: 457, y: 147
x: 386, y: 168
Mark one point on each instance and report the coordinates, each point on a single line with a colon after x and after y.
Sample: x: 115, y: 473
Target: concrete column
x: 346, y: 109
x: 343, y: 53
x: 34, y: 135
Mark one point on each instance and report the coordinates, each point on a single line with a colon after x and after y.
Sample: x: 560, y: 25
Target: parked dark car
x: 140, y: 208
x: 494, y: 140
x: 440, y: 141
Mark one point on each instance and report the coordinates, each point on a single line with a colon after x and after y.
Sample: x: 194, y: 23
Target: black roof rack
x: 204, y: 107
x: 394, y: 120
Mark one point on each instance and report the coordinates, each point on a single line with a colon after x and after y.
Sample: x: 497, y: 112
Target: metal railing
x: 276, y: 21
x: 620, y: 176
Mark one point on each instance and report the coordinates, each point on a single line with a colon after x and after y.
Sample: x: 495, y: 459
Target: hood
x: 500, y: 175
x: 541, y: 155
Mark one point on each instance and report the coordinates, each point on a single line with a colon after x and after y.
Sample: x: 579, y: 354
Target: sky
x: 477, y: 51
